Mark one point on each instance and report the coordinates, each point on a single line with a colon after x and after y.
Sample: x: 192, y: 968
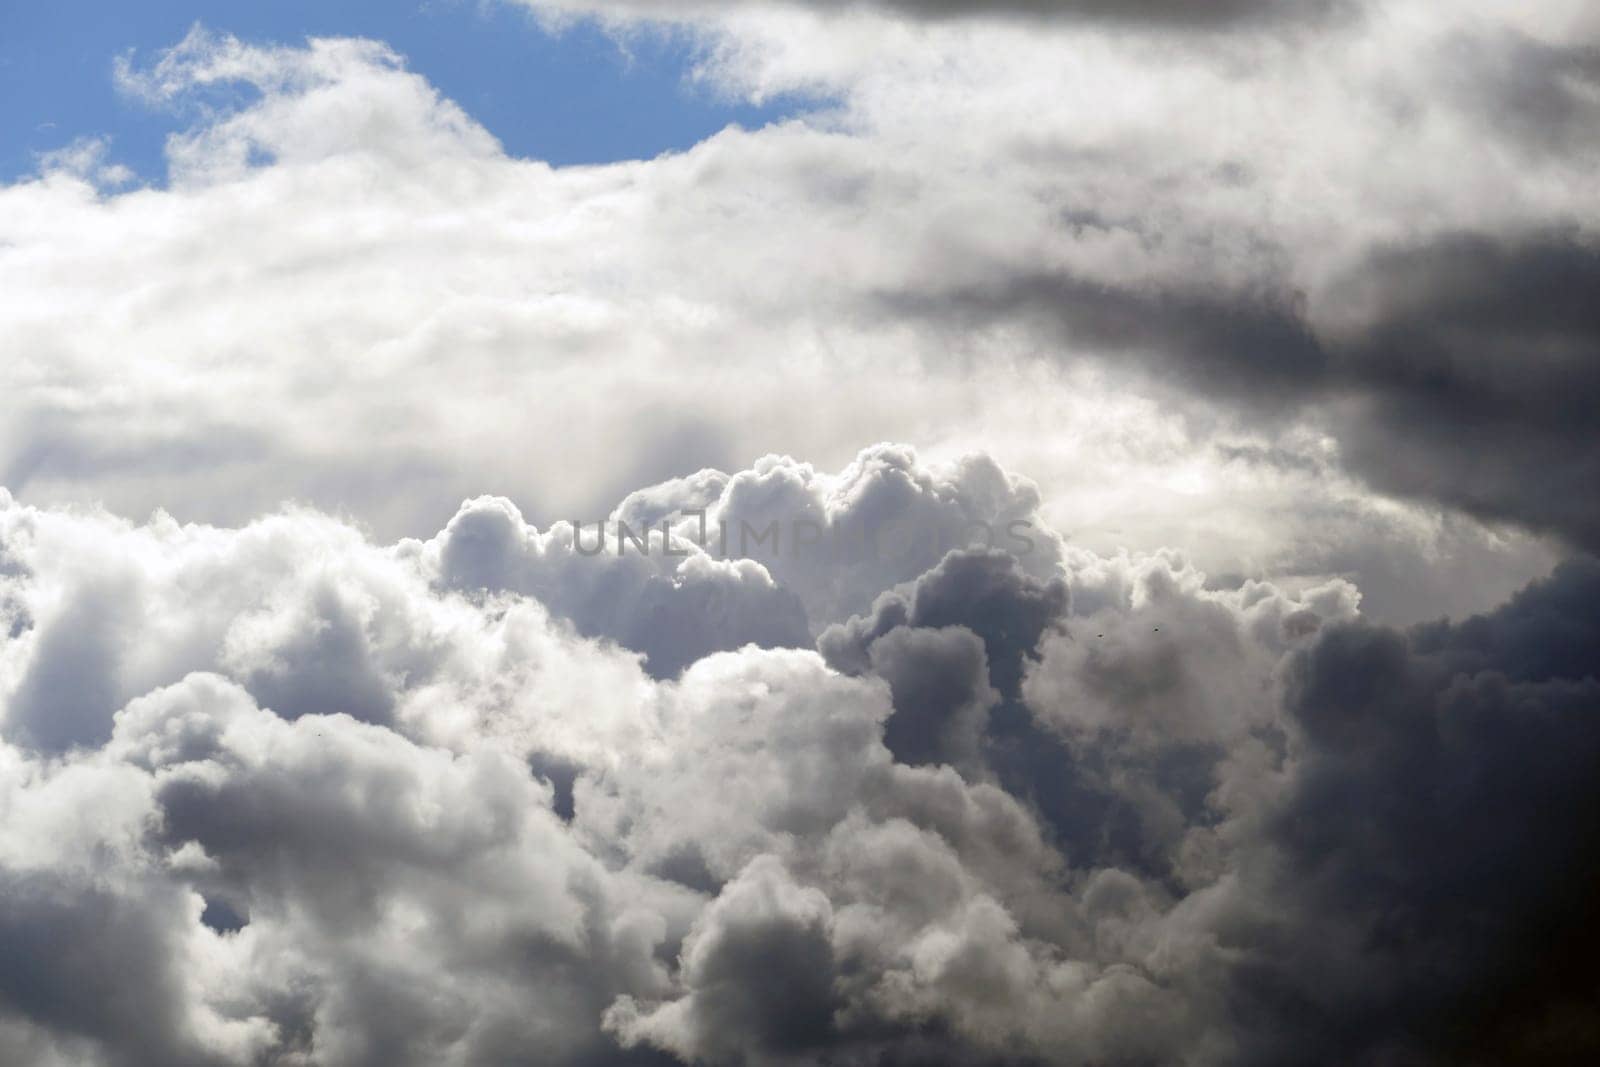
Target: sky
x: 565, y: 95
x: 799, y: 532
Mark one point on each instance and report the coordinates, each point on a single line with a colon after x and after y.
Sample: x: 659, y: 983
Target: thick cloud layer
x: 1185, y: 14
x: 877, y: 756
x: 1463, y: 369
x: 1168, y: 253
x: 277, y: 794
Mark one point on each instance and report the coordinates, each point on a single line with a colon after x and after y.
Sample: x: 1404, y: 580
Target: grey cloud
x: 683, y: 270
x: 985, y: 591
x: 1474, y: 372
x: 988, y: 619
x: 1401, y: 581
x: 55, y: 445
x: 760, y: 975
x: 1529, y: 91
x: 105, y: 630
x: 70, y: 691
x: 1185, y: 14
x: 1462, y: 369
x: 939, y: 684
x: 1547, y: 630
x: 757, y: 557
x: 1442, y: 820
x: 672, y: 610
x: 1256, y: 344
x: 952, y: 648
x: 280, y: 795
x: 317, y: 835
x: 1102, y: 814
x: 96, y: 962
x: 321, y: 664
x: 1402, y: 892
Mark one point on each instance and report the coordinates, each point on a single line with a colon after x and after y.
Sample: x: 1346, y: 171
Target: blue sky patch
x: 572, y: 97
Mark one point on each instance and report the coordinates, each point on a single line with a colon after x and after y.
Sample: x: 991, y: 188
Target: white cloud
x: 348, y: 286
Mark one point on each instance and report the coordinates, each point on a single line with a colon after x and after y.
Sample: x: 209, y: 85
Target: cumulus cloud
x: 281, y: 794
x: 551, y: 726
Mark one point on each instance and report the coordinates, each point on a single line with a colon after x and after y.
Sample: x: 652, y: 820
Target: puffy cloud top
x: 649, y: 753
x: 278, y: 794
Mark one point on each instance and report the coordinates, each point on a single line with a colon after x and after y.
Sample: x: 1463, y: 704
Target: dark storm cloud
x: 983, y: 591
x: 1463, y: 370
x: 1257, y: 345
x: 953, y: 649
x: 761, y: 971
x: 1419, y: 892
x: 1551, y: 629
x: 1473, y: 378
x: 1444, y: 818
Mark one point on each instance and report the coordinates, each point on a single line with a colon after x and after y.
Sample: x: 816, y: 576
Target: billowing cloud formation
x: 891, y: 759
x: 278, y: 794
x: 1168, y: 253
x: 649, y: 575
